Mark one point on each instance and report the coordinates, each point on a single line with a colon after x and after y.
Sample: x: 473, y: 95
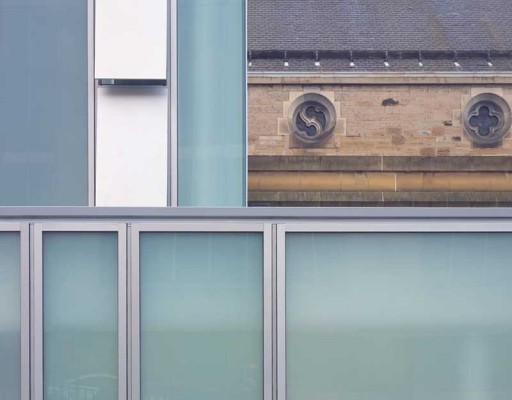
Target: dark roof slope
x: 379, y: 25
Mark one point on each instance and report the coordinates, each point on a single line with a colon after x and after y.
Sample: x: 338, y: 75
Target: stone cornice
x: 380, y: 78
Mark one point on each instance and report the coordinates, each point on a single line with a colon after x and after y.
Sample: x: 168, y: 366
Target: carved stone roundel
x: 312, y: 118
x: 487, y: 119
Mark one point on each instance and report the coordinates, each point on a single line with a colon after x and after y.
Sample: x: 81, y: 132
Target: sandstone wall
x: 373, y: 120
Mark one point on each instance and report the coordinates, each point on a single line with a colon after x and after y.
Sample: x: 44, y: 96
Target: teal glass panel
x: 10, y: 323
x: 201, y: 316
x: 211, y: 103
x: 80, y: 357
x: 43, y: 102
x: 399, y: 316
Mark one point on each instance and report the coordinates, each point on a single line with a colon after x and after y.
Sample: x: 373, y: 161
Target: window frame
x: 410, y: 226
x: 194, y: 227
x: 23, y: 230
x: 38, y: 297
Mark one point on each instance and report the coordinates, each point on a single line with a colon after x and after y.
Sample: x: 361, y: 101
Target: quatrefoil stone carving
x: 487, y: 119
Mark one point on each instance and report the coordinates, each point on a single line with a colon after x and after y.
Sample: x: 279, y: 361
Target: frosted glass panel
x: 211, y: 102
x: 43, y: 102
x: 399, y: 316
x: 201, y: 316
x: 10, y: 346
x: 80, y: 315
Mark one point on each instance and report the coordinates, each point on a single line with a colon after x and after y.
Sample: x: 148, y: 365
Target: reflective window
x: 211, y: 103
x: 80, y: 332
x: 201, y: 316
x: 43, y: 102
x: 398, y: 316
x: 10, y: 324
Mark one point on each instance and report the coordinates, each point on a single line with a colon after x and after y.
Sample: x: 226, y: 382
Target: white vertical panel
x: 131, y: 39
x: 131, y: 146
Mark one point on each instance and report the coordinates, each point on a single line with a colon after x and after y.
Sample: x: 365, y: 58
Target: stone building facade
x: 408, y: 128
x: 376, y: 120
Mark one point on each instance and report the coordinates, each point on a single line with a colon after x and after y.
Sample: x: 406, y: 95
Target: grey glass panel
x: 80, y: 355
x: 43, y: 102
x: 211, y: 103
x: 10, y: 324
x: 201, y: 316
x: 399, y: 316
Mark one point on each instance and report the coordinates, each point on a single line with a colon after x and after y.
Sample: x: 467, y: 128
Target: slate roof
x: 372, y: 26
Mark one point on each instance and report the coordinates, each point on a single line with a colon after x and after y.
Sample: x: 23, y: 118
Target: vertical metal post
x: 274, y: 312
x: 129, y: 310
x: 135, y: 313
x: 37, y: 313
x: 267, y: 312
x: 173, y: 101
x: 91, y: 108
x: 281, y: 312
x: 25, y: 311
x: 245, y: 127
x: 122, y: 310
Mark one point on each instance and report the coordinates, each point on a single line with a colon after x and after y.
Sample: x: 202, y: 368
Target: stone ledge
x: 375, y: 78
x: 381, y: 163
x: 338, y: 199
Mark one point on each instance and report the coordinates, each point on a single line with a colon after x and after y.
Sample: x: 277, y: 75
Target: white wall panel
x: 131, y: 146
x: 131, y: 39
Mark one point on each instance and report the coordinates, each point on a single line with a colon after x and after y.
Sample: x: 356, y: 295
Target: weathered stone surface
x: 380, y: 163
x: 422, y: 120
x: 380, y: 199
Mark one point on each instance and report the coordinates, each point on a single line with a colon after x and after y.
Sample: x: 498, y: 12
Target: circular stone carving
x: 487, y: 119
x: 312, y: 118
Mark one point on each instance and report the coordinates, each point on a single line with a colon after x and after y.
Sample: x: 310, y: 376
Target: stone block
x: 409, y: 181
x: 283, y: 128
x: 381, y: 181
x: 316, y: 89
x: 443, y: 151
x: 341, y: 127
x: 438, y: 131
x: 437, y: 181
x: 320, y: 181
x: 427, y: 151
x: 479, y: 90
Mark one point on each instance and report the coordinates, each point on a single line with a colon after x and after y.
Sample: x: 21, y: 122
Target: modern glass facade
x: 44, y: 103
x: 225, y: 302
x: 80, y: 327
x: 201, y: 315
x: 211, y: 103
x: 316, y: 307
x: 398, y: 315
x: 50, y: 142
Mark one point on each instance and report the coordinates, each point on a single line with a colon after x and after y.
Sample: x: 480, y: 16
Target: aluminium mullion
x: 135, y: 313
x: 281, y: 311
x: 267, y: 312
x: 195, y: 226
x: 25, y: 311
x: 37, y: 313
x: 23, y: 230
x: 274, y: 312
x: 122, y: 313
x: 91, y: 108
x: 129, y: 313
x: 173, y: 102
x: 401, y: 226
